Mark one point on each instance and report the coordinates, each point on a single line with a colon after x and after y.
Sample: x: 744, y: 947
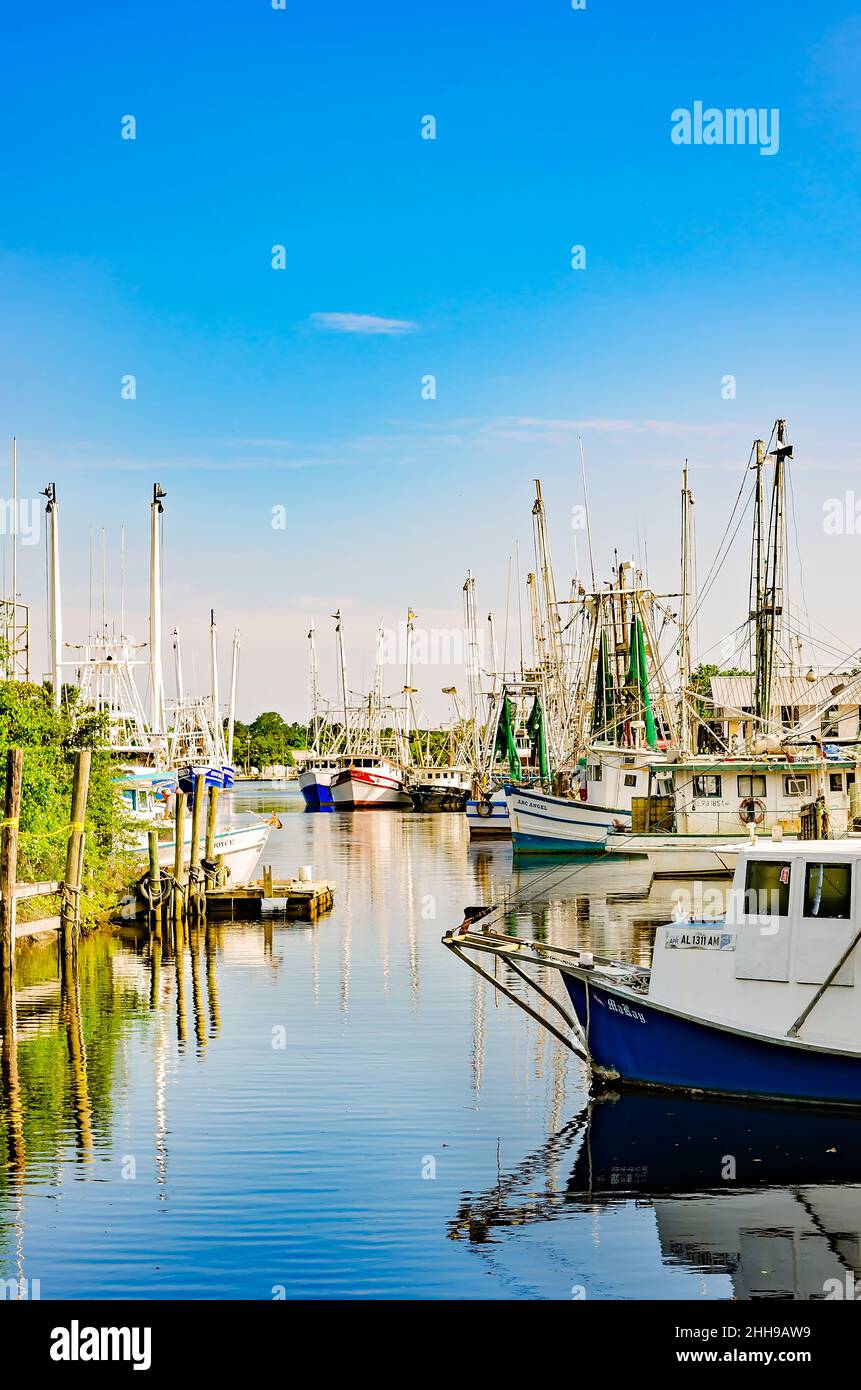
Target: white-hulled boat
x: 148, y: 794
x: 760, y: 1003
x: 579, y: 824
x: 366, y: 784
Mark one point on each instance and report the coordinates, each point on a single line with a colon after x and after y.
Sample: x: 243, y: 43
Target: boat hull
x: 240, y: 848
x: 357, y: 790
x: 543, y: 824
x: 678, y: 856
x: 438, y: 797
x: 634, y: 1042
x: 315, y: 788
x: 488, y: 816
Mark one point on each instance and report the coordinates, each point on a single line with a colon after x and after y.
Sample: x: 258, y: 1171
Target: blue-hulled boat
x: 314, y: 783
x: 760, y: 1003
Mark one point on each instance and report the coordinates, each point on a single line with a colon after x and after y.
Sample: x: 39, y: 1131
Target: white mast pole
x: 407, y: 686
x: 314, y: 688
x: 217, y: 732
x: 231, y: 715
x: 342, y: 675
x: 157, y: 712
x: 55, y: 610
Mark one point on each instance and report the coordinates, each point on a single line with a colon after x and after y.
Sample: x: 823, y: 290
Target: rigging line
x: 816, y: 622
x: 714, y: 572
x: 744, y: 483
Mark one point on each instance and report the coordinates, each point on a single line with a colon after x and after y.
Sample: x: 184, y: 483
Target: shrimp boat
x: 148, y: 799
x: 315, y: 783
x: 576, y: 807
x: 758, y: 1004
x: 363, y: 784
x: 315, y: 779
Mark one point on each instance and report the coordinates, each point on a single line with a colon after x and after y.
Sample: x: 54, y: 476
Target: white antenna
x: 177, y: 666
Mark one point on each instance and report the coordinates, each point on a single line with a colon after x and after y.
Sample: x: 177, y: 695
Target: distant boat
x: 363, y: 784
x: 439, y: 788
x: 314, y: 783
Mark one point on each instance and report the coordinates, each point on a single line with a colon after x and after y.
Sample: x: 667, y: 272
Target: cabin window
x: 707, y: 786
x: 766, y: 887
x: 630, y: 779
x: 828, y: 890
x: 799, y: 785
x: 835, y: 781
x: 751, y: 786
x: 595, y: 772
x: 831, y: 723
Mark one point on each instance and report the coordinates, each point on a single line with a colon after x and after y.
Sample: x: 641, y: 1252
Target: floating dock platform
x: 287, y: 897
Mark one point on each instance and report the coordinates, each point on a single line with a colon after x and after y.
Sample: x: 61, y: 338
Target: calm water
x: 344, y: 1110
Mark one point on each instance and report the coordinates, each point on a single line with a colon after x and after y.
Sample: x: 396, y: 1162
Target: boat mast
x: 231, y: 716
x: 157, y: 710
x: 314, y: 688
x: 472, y: 665
x: 342, y: 676
x: 55, y: 609
x: 542, y: 546
x: 537, y: 626
x: 684, y: 614
x: 757, y: 581
x: 408, y: 693
x: 767, y: 573
x: 217, y: 732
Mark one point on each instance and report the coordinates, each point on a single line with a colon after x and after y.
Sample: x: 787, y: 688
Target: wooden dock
x: 268, y: 896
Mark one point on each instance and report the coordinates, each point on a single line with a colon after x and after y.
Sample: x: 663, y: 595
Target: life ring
x: 484, y: 808
x: 752, y: 810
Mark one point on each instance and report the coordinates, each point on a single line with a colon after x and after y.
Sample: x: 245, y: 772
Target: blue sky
x: 302, y: 127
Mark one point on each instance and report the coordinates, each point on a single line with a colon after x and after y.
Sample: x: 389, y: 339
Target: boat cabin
x: 724, y: 796
x: 793, y: 910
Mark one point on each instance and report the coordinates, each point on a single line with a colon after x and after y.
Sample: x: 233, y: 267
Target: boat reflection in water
x: 767, y: 1196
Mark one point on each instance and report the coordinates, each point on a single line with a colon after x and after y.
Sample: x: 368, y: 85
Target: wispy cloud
x: 618, y: 426
x: 362, y: 323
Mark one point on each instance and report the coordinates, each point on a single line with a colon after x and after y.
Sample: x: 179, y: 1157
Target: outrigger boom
x: 507, y: 946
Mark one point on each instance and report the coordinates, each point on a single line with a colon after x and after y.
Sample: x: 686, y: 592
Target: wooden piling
x: 196, y: 888
x: 155, y: 881
x: 70, y: 907
x: 178, y: 866
x: 211, y: 817
x: 9, y: 856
